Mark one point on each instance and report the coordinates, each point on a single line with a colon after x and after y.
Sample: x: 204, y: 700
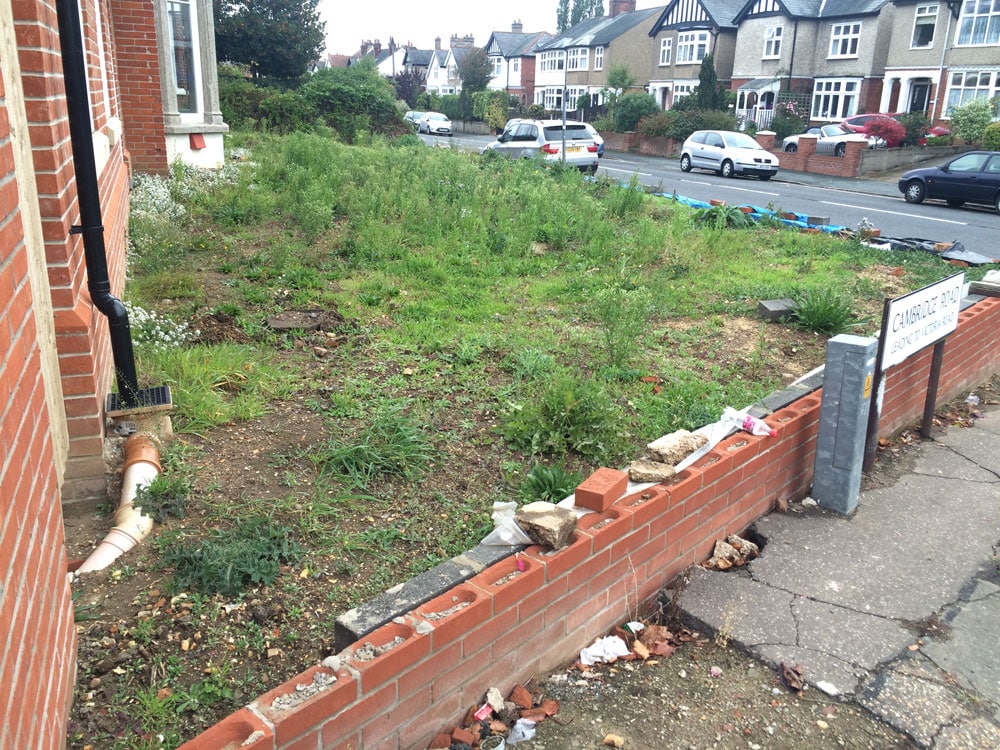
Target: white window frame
x: 579, y: 58
x: 978, y: 24
x: 833, y: 99
x: 680, y: 91
x: 598, y: 58
x: 772, y: 42
x: 692, y: 46
x: 844, y: 40
x: 553, y: 59
x: 965, y: 86
x: 925, y: 15
x: 497, y: 62
x: 515, y: 65
x: 666, y: 48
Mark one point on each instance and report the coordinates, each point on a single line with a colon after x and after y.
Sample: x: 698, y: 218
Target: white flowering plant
x: 156, y: 331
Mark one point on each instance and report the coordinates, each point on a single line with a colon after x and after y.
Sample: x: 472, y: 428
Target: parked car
x: 831, y: 139
x: 729, y: 153
x: 413, y: 117
x: 434, y: 123
x: 527, y: 139
x: 973, y: 177
x: 597, y: 139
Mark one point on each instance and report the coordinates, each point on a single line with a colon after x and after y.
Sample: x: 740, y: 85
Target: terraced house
x: 512, y: 55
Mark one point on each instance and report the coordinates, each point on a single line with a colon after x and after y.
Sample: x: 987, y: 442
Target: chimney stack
x: 617, y: 7
x: 437, y: 44
x: 517, y: 27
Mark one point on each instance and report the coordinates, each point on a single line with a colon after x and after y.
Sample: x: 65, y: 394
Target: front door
x: 918, y: 96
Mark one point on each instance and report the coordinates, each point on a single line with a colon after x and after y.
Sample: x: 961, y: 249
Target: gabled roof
x: 816, y: 9
x: 441, y: 56
x: 460, y: 53
x: 718, y: 13
x: 599, y: 32
x: 510, y: 44
x: 420, y: 58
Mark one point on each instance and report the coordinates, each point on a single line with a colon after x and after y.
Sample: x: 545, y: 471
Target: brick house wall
x: 57, y: 364
x: 518, y: 624
x: 142, y: 106
x: 37, y: 654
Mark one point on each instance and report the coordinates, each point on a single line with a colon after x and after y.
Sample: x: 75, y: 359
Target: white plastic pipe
x: 142, y: 466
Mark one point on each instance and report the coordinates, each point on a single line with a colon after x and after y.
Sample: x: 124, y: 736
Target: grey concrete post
x: 843, y: 421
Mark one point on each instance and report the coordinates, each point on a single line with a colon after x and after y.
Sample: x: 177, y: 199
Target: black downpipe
x: 89, y: 198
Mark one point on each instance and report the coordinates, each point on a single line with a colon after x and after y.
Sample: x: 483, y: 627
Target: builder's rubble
x: 513, y: 719
x: 672, y: 448
x: 547, y: 524
x: 733, y: 551
x: 647, y: 470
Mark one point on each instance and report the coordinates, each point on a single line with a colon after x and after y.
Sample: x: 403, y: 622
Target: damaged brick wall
x: 423, y: 672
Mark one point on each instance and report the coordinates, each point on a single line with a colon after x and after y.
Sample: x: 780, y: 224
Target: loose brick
x: 601, y: 489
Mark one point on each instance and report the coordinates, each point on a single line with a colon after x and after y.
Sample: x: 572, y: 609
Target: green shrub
x: 680, y: 123
x: 286, y: 112
x: 549, y: 483
x: 622, y: 311
x: 231, y: 559
x: 970, y: 120
x: 824, y: 310
x: 631, y: 108
x: 916, y: 126
x: 991, y: 137
x: 537, y: 112
x: 565, y: 414
x: 451, y: 106
x: 165, y: 497
x: 789, y: 119
x: 240, y: 101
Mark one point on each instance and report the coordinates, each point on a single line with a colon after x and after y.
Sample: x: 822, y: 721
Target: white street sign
x: 920, y: 318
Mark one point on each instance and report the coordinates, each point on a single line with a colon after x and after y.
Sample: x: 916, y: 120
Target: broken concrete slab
x: 644, y: 470
x: 776, y: 309
x: 670, y: 449
x: 547, y: 524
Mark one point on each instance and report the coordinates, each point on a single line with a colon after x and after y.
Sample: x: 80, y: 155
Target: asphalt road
x: 844, y: 202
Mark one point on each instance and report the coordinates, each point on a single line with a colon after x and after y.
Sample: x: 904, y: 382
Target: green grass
x: 498, y: 319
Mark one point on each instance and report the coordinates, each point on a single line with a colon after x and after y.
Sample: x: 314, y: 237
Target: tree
x: 969, y: 120
x: 709, y: 94
x: 562, y: 16
x: 475, y: 70
x: 584, y: 9
x: 408, y: 85
x: 275, y: 39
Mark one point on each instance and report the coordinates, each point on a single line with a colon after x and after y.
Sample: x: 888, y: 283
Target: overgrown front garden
x: 368, y: 346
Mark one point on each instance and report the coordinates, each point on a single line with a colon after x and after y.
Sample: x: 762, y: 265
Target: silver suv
x: 528, y: 139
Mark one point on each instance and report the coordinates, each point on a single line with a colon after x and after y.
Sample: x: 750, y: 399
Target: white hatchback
x: 728, y: 153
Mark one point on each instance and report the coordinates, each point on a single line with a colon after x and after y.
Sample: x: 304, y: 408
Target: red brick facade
x: 57, y: 367
x: 135, y: 29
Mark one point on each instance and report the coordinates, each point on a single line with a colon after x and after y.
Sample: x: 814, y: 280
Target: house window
x: 182, y: 55
x: 681, y: 90
x: 552, y: 60
x: 692, y: 46
x: 844, y: 39
x: 979, y: 22
x: 964, y: 87
x: 923, y: 26
x: 598, y: 58
x: 772, y: 42
x: 666, y: 46
x: 515, y: 65
x: 835, y: 98
x: 497, y: 63
x: 578, y: 58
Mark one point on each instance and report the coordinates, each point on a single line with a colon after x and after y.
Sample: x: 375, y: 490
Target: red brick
x: 236, y: 730
x: 646, y: 505
x: 289, y: 723
x: 475, y: 604
x: 506, y: 585
x: 607, y: 527
x: 390, y: 664
x: 601, y: 489
x: 478, y: 641
x: 557, y: 562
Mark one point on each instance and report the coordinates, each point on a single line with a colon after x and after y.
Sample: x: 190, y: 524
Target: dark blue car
x: 973, y: 177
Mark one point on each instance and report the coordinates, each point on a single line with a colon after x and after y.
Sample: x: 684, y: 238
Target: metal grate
x: 147, y: 400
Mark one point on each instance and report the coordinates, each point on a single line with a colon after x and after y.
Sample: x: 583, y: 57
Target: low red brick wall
x: 516, y: 624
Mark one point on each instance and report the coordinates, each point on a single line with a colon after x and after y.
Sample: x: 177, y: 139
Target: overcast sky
x: 348, y: 23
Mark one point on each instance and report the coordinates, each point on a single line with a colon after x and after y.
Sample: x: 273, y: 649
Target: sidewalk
x: 873, y: 184
x: 894, y: 608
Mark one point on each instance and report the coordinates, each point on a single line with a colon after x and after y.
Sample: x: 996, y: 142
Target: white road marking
x: 626, y: 171
x: 895, y: 213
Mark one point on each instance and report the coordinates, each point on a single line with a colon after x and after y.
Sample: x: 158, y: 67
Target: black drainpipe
x: 88, y: 196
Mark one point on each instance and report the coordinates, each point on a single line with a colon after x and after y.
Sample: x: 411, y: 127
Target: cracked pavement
x: 895, y: 607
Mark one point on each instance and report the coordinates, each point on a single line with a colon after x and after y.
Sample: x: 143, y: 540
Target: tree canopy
x: 353, y: 99
x: 581, y: 10
x: 274, y: 39
x: 475, y: 71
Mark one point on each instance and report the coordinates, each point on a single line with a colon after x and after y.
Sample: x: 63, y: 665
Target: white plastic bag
x: 524, y: 729
x: 607, y: 649
x: 505, y: 532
